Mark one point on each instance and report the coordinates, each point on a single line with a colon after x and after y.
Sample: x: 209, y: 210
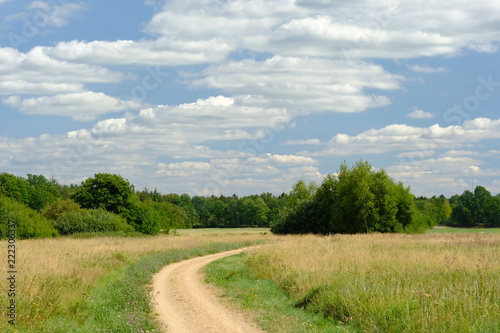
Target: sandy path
x: 184, y: 302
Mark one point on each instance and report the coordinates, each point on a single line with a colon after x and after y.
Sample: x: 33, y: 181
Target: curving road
x: 184, y: 303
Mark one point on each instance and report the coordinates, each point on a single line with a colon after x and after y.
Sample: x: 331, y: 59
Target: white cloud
x: 164, y: 51
x: 56, y: 15
x: 448, y: 174
x: 420, y: 114
x: 426, y: 69
x: 83, y: 106
x: 367, y: 29
x: 282, y: 159
x: 193, y: 32
x: 301, y: 84
x: 400, y: 137
x: 36, y: 73
x: 303, y: 142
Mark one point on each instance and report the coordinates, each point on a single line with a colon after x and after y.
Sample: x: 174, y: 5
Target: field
x: 441, y: 282
x: 437, y: 282
x: 63, y: 284
x: 452, y: 230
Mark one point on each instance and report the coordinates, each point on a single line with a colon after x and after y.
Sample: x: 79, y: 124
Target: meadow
x: 436, y: 282
x: 99, y: 284
x: 442, y: 281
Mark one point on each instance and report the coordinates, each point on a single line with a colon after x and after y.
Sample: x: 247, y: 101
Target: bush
x: 30, y: 224
x: 143, y: 218
x: 57, y: 208
x: 92, y: 220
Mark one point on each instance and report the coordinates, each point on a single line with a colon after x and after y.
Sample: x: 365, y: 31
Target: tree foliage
x: 357, y: 200
x: 30, y: 224
x: 91, y: 220
x: 107, y: 191
x: 475, y: 208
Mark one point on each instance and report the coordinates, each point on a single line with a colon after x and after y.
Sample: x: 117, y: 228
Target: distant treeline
x: 356, y: 200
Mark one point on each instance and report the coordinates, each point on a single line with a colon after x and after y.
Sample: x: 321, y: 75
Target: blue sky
x: 221, y: 97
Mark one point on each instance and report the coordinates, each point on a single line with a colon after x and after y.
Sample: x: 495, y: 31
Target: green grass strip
x: 454, y: 230
x: 121, y: 301
x: 272, y: 308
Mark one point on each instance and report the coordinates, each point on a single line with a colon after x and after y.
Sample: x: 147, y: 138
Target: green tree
x: 447, y: 210
x: 494, y: 215
x: 482, y: 204
x: 15, y: 188
x: 92, y: 220
x: 30, y: 224
x: 254, y: 211
x: 42, y: 192
x: 356, y: 200
x: 463, y: 214
x: 107, y: 191
x: 473, y: 208
x: 60, y: 206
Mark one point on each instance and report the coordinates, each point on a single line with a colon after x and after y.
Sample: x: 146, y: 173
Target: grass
x: 264, y: 301
x: 452, y: 230
x: 95, y: 284
x: 373, y: 283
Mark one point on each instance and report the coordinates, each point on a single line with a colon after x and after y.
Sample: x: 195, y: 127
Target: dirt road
x: 185, y: 303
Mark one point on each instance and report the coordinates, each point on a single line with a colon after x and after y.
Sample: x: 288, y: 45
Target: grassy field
x: 370, y: 283
x: 451, y: 230
x: 75, y: 285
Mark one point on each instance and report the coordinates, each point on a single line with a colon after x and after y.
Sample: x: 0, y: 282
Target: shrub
x: 30, y: 224
x: 92, y: 220
x: 143, y: 218
x: 57, y: 208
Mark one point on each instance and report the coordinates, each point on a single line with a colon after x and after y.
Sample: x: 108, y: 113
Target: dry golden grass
x: 391, y: 282
x: 55, y: 275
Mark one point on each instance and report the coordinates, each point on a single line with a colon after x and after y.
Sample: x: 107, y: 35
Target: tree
x: 42, y: 192
x: 254, y: 211
x: 473, y: 208
x: 30, y: 224
x: 356, y: 200
x: 60, y: 206
x: 15, y: 188
x: 107, y: 191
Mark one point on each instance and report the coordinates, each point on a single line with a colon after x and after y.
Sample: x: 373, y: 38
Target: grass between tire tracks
x: 369, y: 283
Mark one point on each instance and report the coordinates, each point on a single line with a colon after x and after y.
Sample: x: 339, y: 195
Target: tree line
x: 356, y: 199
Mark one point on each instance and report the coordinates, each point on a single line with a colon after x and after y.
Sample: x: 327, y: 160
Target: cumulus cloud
x: 420, y: 114
x: 321, y: 56
x: 448, y: 173
x: 36, y: 73
x: 193, y: 32
x: 401, y: 137
x: 282, y: 159
x: 426, y: 69
x: 301, y: 84
x: 369, y: 29
x: 309, y: 142
x: 83, y: 106
x: 164, y: 51
x: 56, y: 15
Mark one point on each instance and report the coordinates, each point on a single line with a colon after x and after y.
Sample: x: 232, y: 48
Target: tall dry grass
x: 56, y: 275
x: 391, y: 282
